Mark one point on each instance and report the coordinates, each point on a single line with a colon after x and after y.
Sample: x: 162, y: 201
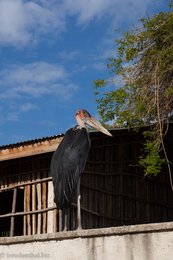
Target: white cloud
x: 38, y: 72
x: 67, y: 56
x: 95, y: 9
x: 26, y: 21
x: 27, y: 107
x: 12, y: 117
x: 14, y: 111
x: 87, y: 10
x: 36, y: 80
x: 13, y: 19
x: 22, y: 22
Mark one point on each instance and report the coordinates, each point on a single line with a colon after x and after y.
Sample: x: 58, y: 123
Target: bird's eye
x: 86, y: 114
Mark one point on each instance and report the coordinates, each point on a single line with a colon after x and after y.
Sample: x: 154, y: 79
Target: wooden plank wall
x: 32, y: 175
x: 114, y: 187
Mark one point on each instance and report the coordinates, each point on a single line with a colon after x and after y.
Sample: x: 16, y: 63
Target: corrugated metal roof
x: 29, y: 142
x: 47, y: 138
x: 34, y: 146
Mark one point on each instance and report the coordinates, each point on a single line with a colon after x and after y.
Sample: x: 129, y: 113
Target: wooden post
x: 13, y: 210
x: 28, y: 217
x: 54, y: 219
x: 33, y: 206
x: 38, y: 205
x: 24, y: 217
x: 44, y: 202
x: 50, y: 214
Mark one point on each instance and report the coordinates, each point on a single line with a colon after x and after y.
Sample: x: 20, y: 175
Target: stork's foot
x: 79, y: 227
x: 64, y: 229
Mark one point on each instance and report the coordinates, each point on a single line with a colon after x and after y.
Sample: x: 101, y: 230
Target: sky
x: 51, y: 51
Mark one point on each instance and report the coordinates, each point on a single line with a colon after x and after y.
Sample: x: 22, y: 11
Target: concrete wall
x: 139, y: 242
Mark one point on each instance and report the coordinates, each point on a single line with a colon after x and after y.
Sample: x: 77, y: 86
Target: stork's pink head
x: 84, y: 118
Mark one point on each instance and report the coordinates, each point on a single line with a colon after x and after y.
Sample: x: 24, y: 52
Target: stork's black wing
x: 67, y: 164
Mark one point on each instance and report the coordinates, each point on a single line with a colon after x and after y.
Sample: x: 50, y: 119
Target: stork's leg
x: 79, y: 226
x: 60, y: 219
x: 65, y: 219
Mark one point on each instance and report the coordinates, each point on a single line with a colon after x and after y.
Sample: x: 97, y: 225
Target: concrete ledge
x: 90, y: 233
x: 144, y: 242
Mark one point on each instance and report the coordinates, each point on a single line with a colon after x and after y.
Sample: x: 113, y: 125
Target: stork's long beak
x: 91, y: 121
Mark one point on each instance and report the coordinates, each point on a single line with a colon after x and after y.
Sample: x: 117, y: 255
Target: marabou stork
x: 68, y: 162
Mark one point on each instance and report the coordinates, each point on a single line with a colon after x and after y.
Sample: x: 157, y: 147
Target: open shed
x: 114, y: 191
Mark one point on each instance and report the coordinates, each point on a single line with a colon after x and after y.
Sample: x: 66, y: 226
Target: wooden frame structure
x: 113, y: 188
x: 30, y: 185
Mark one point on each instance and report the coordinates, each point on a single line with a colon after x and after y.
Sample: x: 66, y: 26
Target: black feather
x: 68, y: 163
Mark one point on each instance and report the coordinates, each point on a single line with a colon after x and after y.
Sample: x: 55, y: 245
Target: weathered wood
x: 13, y: 210
x: 26, y: 183
x: 55, y: 218
x: 44, y: 203
x: 28, y: 218
x: 50, y: 203
x: 24, y: 215
x: 38, y: 206
x: 27, y: 213
x: 24, y: 172
x: 30, y: 149
x: 33, y: 206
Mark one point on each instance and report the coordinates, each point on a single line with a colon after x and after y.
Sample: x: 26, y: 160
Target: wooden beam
x: 23, y: 184
x: 33, y: 206
x: 13, y: 210
x: 24, y: 216
x: 38, y: 187
x: 44, y: 202
x: 8, y: 215
x: 28, y: 218
x: 29, y: 149
x: 50, y: 204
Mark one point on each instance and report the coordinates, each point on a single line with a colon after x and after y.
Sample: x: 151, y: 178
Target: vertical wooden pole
x: 28, y: 217
x: 54, y: 219
x: 51, y: 214
x: 24, y: 217
x: 44, y: 197
x: 38, y: 205
x: 13, y: 211
x: 33, y: 206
